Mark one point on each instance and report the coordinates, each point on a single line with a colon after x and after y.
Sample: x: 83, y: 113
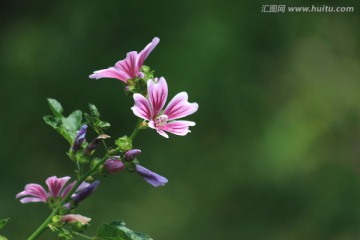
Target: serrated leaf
x: 118, y: 231
x: 3, y: 222
x: 55, y: 107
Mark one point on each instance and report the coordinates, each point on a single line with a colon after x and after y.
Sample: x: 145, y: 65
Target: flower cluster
x: 150, y: 96
x: 151, y: 108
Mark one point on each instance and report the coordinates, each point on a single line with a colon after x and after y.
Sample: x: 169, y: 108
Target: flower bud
x: 72, y: 218
x: 94, y: 143
x: 80, y: 138
x: 131, y: 154
x: 153, y: 178
x: 113, y: 165
x: 86, y: 192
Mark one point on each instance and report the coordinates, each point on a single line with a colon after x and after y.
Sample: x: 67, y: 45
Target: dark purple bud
x: 113, y: 165
x: 86, y: 192
x: 132, y: 154
x: 153, y: 178
x: 80, y: 138
x: 94, y: 143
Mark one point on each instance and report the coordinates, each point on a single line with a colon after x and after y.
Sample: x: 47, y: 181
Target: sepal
x: 124, y: 143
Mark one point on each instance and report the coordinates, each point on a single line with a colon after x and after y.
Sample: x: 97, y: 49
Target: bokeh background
x: 275, y: 153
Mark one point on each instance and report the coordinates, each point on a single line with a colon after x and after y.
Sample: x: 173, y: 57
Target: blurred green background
x: 275, y: 153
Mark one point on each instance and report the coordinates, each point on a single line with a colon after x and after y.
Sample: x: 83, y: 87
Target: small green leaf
x: 55, y: 107
x: 118, y: 231
x: 103, y: 125
x: 124, y: 143
x: 3, y: 222
x: 93, y: 110
x: 50, y: 120
x: 3, y: 238
x: 93, y: 120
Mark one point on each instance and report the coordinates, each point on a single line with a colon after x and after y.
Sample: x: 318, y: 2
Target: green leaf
x: 3, y: 222
x: 66, y: 126
x: 3, y: 238
x: 93, y: 110
x: 118, y: 231
x: 124, y: 143
x: 93, y: 119
x: 55, y: 107
x: 72, y: 123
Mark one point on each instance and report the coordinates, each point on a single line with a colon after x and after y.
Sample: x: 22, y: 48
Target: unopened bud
x: 152, y: 178
x: 113, y: 165
x: 86, y: 192
x: 80, y: 138
x: 132, y: 154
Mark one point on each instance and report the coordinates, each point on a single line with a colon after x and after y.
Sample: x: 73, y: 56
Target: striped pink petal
x: 158, y: 92
x: 146, y: 51
x: 179, y: 107
x: 110, y: 73
x: 128, y: 65
x: 142, y: 107
x: 56, y: 185
x: 37, y: 192
x: 180, y: 128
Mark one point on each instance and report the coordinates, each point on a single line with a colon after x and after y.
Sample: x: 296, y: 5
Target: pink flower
x: 56, y: 188
x: 164, y: 120
x: 71, y: 218
x: 129, y: 67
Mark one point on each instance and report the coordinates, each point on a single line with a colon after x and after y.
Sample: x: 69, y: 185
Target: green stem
x: 136, y: 130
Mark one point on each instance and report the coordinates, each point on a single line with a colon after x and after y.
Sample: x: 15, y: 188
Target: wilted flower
x: 86, y: 192
x: 163, y: 120
x: 153, y: 178
x: 71, y: 218
x: 129, y: 67
x: 94, y: 143
x: 80, y: 138
x: 56, y: 188
x: 113, y: 165
x: 131, y: 154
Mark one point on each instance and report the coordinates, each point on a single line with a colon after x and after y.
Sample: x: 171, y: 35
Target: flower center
x: 161, y: 120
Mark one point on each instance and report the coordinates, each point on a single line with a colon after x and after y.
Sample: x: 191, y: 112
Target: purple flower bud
x: 94, y: 143
x: 132, y: 154
x: 113, y: 165
x: 80, y: 138
x: 86, y: 192
x: 153, y: 178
